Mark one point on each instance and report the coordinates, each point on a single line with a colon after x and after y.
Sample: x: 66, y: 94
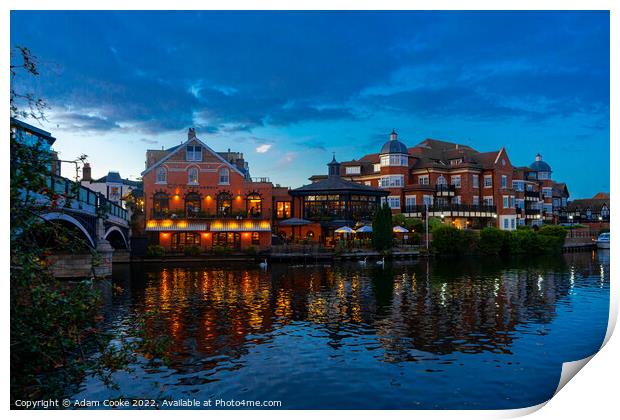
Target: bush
x: 491, y: 241
x: 221, y: 250
x: 251, y: 250
x: 382, y: 228
x: 448, y: 240
x: 192, y: 250
x: 552, y: 238
x: 155, y: 251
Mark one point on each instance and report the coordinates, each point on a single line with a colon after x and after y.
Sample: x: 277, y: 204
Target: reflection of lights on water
x: 572, y: 277
x: 540, y: 282
x: 442, y: 294
x: 602, y: 268
x: 496, y: 286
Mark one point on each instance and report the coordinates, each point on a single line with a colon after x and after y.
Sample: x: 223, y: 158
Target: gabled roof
x: 174, y: 149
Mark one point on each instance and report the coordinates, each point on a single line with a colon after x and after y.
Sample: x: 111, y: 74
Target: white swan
x: 381, y: 262
x: 263, y: 264
x: 363, y: 262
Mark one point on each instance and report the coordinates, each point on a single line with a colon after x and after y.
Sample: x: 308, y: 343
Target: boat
x: 603, y: 240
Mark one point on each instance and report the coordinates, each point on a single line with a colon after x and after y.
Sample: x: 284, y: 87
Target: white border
x: 595, y: 392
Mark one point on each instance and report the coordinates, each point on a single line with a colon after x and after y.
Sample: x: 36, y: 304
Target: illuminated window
x: 254, y: 204
x: 192, y: 204
x: 224, y: 204
x: 160, y: 204
x: 255, y: 238
x: 283, y: 209
x: 192, y: 176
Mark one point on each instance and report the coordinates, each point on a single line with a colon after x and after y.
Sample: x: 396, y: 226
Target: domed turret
x: 539, y: 165
x: 394, y: 146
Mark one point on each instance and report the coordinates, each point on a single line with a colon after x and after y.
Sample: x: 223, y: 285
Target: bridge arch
x: 112, y: 235
x: 72, y: 220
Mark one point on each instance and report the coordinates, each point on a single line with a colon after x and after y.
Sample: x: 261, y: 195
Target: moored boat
x: 603, y: 240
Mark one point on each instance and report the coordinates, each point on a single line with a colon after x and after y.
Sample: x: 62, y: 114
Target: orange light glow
x: 176, y: 197
x: 182, y: 224
x: 151, y: 223
x: 165, y: 235
x: 238, y: 198
x: 166, y: 223
x: 208, y: 197
x: 206, y: 234
x: 246, y: 235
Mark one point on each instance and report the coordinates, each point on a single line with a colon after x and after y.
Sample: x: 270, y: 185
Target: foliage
x: 382, y: 228
x: 410, y: 223
x: 434, y: 223
x: 448, y: 240
x: 54, y: 324
x: 221, y: 250
x: 155, y: 251
x: 250, y: 250
x: 192, y: 250
x: 491, y: 241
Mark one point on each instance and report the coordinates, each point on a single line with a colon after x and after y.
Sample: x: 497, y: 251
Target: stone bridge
x: 104, y: 226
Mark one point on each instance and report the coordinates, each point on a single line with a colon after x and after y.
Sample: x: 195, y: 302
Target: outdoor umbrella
x: 364, y: 229
x: 399, y: 229
x: 344, y: 229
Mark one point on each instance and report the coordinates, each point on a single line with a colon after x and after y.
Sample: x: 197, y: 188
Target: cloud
x: 148, y: 141
x: 263, y: 148
x: 84, y: 122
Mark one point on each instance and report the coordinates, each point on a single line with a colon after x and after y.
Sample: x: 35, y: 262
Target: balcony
x: 532, y: 195
x: 200, y: 215
x: 444, y: 190
x: 451, y: 210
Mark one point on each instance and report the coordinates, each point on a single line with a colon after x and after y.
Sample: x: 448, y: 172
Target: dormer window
x: 193, y: 153
x: 352, y: 170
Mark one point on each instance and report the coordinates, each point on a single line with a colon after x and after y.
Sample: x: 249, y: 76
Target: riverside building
x: 194, y: 196
x: 462, y: 186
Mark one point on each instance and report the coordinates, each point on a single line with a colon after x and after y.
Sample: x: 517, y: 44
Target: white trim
x: 114, y: 228
x: 72, y: 220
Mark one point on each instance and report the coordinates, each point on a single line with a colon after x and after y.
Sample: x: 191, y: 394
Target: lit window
x: 192, y: 176
x: 162, y: 176
x: 377, y: 167
x: 224, y: 176
x: 283, y: 209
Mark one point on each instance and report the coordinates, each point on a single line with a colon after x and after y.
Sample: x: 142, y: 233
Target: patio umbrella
x: 399, y: 229
x: 344, y: 229
x: 364, y: 229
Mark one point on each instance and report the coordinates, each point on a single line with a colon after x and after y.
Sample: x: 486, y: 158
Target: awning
x: 174, y: 226
x: 240, y: 226
x: 294, y: 221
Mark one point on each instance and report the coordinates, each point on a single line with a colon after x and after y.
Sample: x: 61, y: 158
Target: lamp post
x: 570, y: 218
x: 426, y: 219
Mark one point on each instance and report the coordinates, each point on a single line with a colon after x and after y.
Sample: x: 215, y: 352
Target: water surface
x: 482, y: 334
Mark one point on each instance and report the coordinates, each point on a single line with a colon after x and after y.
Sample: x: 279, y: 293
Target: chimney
x: 86, y: 176
x: 191, y: 133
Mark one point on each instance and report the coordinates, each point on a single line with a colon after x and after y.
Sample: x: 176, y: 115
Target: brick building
x: 455, y: 182
x: 196, y: 196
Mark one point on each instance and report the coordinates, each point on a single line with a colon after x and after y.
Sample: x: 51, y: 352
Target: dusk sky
x: 290, y: 88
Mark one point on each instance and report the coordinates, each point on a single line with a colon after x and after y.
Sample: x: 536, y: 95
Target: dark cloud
x: 81, y: 122
x: 235, y: 71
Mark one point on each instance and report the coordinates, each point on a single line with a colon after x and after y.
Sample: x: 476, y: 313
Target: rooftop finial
x: 538, y: 157
x: 393, y: 135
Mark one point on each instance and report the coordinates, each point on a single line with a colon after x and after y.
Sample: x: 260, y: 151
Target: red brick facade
x: 196, y: 196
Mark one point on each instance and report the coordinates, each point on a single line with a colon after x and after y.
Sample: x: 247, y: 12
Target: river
x: 443, y: 334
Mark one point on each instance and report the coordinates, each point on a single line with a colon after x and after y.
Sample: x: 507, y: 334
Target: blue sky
x: 289, y: 88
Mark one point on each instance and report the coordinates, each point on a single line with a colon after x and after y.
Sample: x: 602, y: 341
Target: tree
x: 382, y: 228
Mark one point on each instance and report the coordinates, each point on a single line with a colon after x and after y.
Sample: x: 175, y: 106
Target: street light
x: 570, y: 218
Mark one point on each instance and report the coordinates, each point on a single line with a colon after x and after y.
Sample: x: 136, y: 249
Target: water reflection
x: 433, y: 313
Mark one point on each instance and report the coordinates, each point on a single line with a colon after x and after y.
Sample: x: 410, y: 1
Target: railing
x: 181, y: 214
x: 534, y: 194
x: 532, y: 211
x: 451, y: 208
x: 260, y: 179
x: 445, y: 188
x: 82, y: 198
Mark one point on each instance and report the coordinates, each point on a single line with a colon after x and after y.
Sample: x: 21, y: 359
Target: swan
x: 263, y: 264
x: 363, y: 262
x: 381, y: 262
